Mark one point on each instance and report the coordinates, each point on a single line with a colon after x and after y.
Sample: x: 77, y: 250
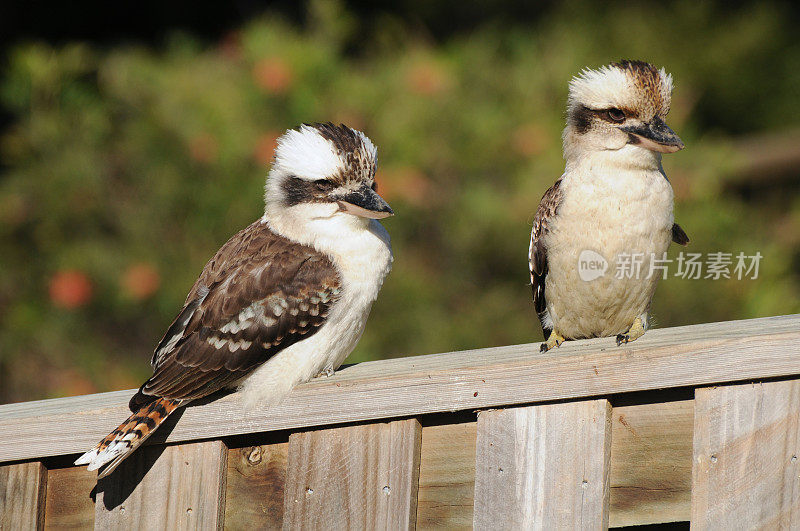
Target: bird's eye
x: 615, y: 115
x: 324, y: 185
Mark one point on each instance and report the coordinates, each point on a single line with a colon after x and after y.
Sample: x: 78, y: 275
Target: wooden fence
x: 698, y: 423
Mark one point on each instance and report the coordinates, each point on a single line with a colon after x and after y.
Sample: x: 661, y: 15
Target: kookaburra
x: 613, y: 200
x: 283, y: 300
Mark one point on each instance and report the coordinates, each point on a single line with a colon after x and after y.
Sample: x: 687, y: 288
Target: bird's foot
x: 327, y: 372
x: 554, y: 340
x: 633, y: 333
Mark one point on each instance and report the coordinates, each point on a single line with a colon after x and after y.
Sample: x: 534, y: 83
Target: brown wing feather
x: 537, y: 254
x: 258, y: 295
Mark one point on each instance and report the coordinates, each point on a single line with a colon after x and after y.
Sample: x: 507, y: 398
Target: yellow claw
x: 633, y: 333
x: 554, y: 340
x: 327, y: 372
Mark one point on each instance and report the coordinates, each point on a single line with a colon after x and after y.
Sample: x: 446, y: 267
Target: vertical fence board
x: 447, y: 477
x: 22, y: 494
x: 256, y: 476
x: 543, y: 467
x: 69, y: 498
x: 746, y: 466
x: 651, y: 463
x: 363, y: 476
x: 172, y: 487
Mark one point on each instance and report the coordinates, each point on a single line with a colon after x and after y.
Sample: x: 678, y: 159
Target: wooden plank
x: 173, y: 487
x: 543, y: 467
x: 651, y: 463
x: 651, y: 459
x: 675, y: 357
x: 70, y: 504
x: 22, y: 495
x: 356, y: 477
x: 447, y: 476
x: 256, y: 475
x: 746, y: 472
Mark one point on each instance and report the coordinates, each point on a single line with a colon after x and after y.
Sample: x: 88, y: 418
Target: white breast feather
x: 363, y: 259
x: 609, y: 211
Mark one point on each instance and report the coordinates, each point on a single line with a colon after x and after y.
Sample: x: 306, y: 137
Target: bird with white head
x: 613, y: 200
x: 284, y: 300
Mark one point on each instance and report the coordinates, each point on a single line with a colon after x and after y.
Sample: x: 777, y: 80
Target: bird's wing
x: 258, y: 295
x: 537, y: 253
x: 678, y: 235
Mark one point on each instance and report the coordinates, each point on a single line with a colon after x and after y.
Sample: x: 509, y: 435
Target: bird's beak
x: 365, y: 203
x: 655, y: 136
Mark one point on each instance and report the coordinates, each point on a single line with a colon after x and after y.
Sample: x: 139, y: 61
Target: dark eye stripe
x: 297, y: 190
x: 582, y: 117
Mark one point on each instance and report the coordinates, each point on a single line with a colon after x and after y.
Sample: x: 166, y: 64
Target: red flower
x: 140, y: 281
x: 70, y: 289
x: 273, y: 75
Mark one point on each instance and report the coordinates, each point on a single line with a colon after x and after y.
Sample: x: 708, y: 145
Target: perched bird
x: 613, y: 201
x: 285, y: 299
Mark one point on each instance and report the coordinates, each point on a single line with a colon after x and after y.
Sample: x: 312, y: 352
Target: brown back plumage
x: 537, y: 253
x: 259, y: 294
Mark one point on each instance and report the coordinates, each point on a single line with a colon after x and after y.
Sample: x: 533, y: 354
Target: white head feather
x: 638, y: 87
x: 307, y: 154
x: 304, y: 152
x: 338, y: 154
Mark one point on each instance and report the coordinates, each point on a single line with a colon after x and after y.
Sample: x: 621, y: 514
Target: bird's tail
x: 121, y: 442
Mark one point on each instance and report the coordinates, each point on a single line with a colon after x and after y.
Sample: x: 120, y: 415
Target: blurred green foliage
x: 126, y: 168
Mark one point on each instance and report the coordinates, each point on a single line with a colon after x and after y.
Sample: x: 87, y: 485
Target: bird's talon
x: 633, y: 333
x: 327, y: 372
x: 554, y: 340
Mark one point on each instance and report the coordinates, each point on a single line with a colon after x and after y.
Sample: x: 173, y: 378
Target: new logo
x: 591, y: 265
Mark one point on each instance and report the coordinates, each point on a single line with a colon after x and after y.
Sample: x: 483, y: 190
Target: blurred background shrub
x: 126, y: 165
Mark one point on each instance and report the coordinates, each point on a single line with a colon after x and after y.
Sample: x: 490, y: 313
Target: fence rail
x: 588, y: 435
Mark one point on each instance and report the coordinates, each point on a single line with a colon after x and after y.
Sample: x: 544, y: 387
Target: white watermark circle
x: 591, y: 265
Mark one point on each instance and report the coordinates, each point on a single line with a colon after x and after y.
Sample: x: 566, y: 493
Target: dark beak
x: 366, y: 203
x: 655, y: 136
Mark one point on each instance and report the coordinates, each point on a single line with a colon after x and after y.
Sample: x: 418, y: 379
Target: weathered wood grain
x: 172, y: 487
x: 69, y: 498
x: 651, y: 463
x: 746, y: 472
x: 651, y: 468
x: 543, y: 467
x: 355, y: 477
x: 674, y: 357
x: 22, y: 495
x: 447, y: 476
x: 256, y: 476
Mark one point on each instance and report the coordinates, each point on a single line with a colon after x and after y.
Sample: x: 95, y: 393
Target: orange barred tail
x: 121, y: 442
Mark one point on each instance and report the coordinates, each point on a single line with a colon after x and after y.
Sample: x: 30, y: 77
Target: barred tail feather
x: 120, y: 443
